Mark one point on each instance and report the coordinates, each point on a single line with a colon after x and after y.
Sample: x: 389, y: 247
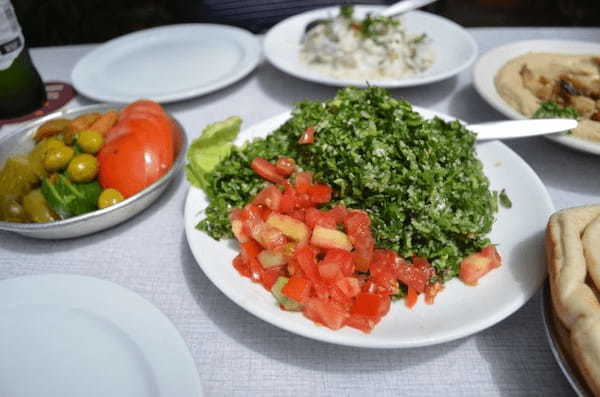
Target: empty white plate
x: 167, y: 63
x: 453, y: 47
x: 69, y: 335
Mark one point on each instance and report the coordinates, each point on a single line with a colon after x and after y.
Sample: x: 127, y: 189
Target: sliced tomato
x: 299, y: 214
x: 297, y: 288
x: 362, y: 323
x: 266, y: 170
x: 320, y: 194
x: 358, y: 227
x: 269, y: 276
x: 431, y: 292
x: 303, y: 181
x: 349, y: 286
x: 330, y: 271
x: 285, y: 166
x: 308, y: 136
x: 303, y: 200
x: 270, y: 197
x: 268, y: 236
x: 338, y: 212
x: 383, y: 270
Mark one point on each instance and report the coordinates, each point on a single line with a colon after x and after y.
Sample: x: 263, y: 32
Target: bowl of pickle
x: 79, y: 171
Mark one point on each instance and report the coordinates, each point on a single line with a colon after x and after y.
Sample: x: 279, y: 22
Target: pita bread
x: 573, y: 251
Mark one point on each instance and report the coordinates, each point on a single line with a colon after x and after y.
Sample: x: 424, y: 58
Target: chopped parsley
x: 419, y: 180
x: 552, y: 109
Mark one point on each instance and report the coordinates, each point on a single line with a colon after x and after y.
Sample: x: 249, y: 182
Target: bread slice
x: 573, y: 252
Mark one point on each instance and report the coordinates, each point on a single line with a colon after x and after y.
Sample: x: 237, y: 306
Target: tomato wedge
x: 266, y: 170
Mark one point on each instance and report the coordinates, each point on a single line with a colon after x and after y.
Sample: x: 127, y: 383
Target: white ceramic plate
x: 70, y: 335
x: 487, y: 67
x: 453, y: 47
x: 458, y: 311
x: 167, y: 63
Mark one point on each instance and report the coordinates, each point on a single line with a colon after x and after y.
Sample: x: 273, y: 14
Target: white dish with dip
x: 488, y: 65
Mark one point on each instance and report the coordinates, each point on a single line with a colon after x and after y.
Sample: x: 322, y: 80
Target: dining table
x: 238, y: 354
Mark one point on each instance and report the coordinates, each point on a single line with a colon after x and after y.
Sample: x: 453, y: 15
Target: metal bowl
x: 21, y: 141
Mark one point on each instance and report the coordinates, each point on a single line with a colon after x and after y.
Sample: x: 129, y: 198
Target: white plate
x: 167, y: 63
x: 69, y: 335
x: 453, y: 47
x: 487, y: 67
x: 458, y: 311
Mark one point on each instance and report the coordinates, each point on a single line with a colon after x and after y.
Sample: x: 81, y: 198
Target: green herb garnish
x: 346, y: 11
x: 504, y: 199
x: 419, y: 180
x: 69, y: 199
x: 551, y: 109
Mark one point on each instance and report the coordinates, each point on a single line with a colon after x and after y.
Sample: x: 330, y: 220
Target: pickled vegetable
x: 50, y: 128
x: 79, y: 124
x: 18, y: 177
x: 58, y: 158
x: 109, y: 197
x: 90, y: 141
x: 83, y: 168
x: 11, y: 210
x: 36, y: 207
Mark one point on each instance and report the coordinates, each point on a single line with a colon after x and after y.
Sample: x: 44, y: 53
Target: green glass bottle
x: 21, y: 88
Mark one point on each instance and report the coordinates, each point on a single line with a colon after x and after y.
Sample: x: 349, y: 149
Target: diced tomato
x: 269, y: 237
x: 308, y: 136
x: 349, y: 286
x: 329, y: 271
x: 314, y: 217
x: 285, y: 166
x: 370, y: 305
x: 299, y: 214
x: 241, y: 266
x: 319, y: 194
x: 411, y: 297
x: 326, y: 312
x: 338, y: 212
x: 338, y: 296
x: 270, y: 197
x: 250, y: 250
x: 383, y: 269
x: 256, y: 271
x: 431, y: 291
x: 417, y: 274
x: 362, y: 323
x: 303, y: 200
x: 297, y: 288
x: 477, y: 265
x: 341, y: 258
x: 269, y: 276
x: 288, y: 199
x: 266, y: 170
x: 356, y: 221
x: 237, y: 226
x: 358, y: 227
x: 303, y: 181
x: 306, y: 258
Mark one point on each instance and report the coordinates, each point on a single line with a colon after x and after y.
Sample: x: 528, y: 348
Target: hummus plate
x: 490, y: 63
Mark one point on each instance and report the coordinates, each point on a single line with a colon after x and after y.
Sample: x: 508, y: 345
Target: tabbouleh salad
x: 419, y: 180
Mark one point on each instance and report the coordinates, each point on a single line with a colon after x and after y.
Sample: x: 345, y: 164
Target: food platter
x: 75, y: 335
x: 167, y: 64
x: 552, y: 327
x: 459, y: 310
x: 454, y: 49
x: 488, y: 65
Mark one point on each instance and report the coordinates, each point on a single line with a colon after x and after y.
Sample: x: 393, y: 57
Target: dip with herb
x: 373, y: 48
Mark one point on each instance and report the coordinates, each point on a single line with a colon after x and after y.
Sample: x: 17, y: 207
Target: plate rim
x: 333, y: 337
x: 247, y: 41
x: 410, y: 81
x: 482, y: 76
x: 59, y: 287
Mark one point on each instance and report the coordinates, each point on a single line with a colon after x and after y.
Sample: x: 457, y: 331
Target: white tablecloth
x: 238, y: 354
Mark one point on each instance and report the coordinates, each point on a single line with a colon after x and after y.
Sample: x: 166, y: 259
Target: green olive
x: 90, y: 141
x: 11, y: 210
x: 57, y: 158
x: 82, y: 168
x: 109, y: 197
x: 37, y: 208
